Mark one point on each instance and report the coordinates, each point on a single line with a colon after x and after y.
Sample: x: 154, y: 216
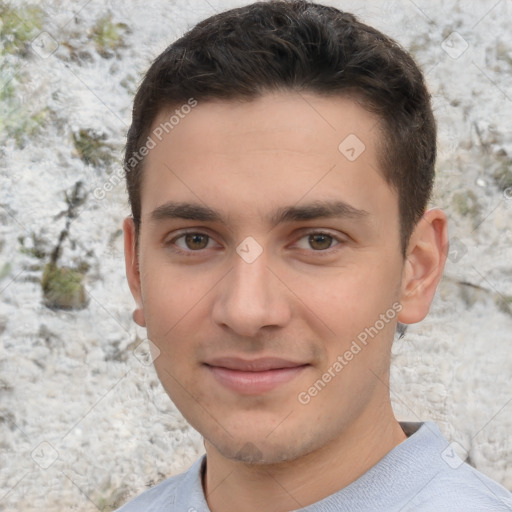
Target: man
x: 279, y: 165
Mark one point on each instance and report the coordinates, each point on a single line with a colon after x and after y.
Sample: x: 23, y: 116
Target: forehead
x: 275, y: 150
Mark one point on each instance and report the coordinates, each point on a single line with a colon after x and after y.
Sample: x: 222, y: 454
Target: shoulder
x: 169, y: 494
x: 433, y: 478
x: 158, y: 498
x: 464, y: 489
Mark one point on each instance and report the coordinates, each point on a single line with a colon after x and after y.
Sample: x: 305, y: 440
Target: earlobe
x: 132, y: 269
x: 424, y: 265
x: 138, y: 316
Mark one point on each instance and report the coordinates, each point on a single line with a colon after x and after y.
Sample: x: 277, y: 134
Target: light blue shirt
x: 421, y: 474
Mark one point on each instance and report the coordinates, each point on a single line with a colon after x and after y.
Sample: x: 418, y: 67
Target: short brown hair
x: 269, y: 46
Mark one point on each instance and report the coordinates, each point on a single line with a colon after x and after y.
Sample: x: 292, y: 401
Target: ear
x: 424, y: 265
x: 131, y: 259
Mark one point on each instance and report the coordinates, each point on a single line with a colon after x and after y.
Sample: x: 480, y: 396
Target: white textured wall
x: 73, y: 395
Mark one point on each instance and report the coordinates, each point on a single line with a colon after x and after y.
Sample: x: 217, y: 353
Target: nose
x: 251, y: 297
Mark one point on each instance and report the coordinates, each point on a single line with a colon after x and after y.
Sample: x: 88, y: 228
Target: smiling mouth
x: 254, y: 377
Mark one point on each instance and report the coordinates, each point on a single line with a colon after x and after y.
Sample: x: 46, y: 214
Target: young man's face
x: 243, y: 335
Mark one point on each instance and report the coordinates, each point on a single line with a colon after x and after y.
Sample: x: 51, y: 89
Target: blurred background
x: 84, y: 422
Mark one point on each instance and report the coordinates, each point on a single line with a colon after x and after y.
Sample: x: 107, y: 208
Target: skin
x: 302, y: 299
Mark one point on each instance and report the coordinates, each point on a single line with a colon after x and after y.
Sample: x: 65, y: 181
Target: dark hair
x: 269, y: 46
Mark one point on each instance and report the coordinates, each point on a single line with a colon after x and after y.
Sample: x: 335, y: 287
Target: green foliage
x: 36, y: 250
x: 466, y: 204
x: 5, y: 270
x: 7, y: 89
x: 63, y: 287
x: 108, y: 36
x: 19, y: 123
x: 109, y: 498
x: 92, y: 148
x: 503, y: 175
x: 20, y: 25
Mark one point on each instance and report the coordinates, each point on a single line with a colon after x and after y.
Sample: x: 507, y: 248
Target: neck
x: 231, y: 485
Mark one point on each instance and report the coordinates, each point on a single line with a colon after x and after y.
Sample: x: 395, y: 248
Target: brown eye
x: 196, y: 241
x: 320, y: 241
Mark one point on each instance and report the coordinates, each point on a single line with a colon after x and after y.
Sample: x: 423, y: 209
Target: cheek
x: 172, y: 306
x: 175, y: 306
x: 349, y: 299
x: 171, y: 295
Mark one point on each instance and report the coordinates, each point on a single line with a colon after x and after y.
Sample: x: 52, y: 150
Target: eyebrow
x: 311, y: 211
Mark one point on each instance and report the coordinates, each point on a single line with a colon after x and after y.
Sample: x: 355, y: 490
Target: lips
x: 253, y: 377
x: 255, y: 365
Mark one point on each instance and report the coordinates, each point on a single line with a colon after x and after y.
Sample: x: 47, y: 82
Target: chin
x: 261, y: 451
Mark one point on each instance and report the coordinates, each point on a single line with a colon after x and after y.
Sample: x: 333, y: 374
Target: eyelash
x: 190, y: 253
